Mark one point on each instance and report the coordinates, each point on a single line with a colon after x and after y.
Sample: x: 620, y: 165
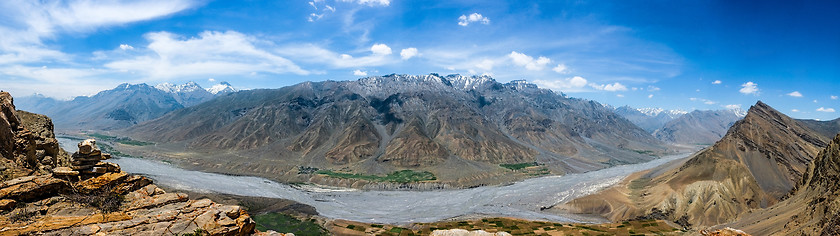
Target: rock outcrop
x: 27, y: 143
x: 86, y: 196
x: 111, y: 204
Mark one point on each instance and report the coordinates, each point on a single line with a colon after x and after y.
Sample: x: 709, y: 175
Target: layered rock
x: 102, y: 201
x: 27, y: 143
x: 88, y: 160
x: 47, y: 205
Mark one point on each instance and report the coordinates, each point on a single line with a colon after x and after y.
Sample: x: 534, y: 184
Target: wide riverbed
x: 521, y: 200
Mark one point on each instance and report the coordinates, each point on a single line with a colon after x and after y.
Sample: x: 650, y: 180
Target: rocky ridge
x: 755, y: 165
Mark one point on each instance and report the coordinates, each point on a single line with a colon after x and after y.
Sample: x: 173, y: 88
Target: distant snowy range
x: 122, y: 106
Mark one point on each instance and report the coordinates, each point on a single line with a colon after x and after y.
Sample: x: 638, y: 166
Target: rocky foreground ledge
x: 113, y: 203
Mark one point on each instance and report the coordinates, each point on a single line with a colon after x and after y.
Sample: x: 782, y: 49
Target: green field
x: 123, y: 140
x: 403, y: 176
x: 283, y: 223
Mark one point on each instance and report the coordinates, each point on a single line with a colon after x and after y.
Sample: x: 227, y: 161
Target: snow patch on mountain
x: 222, y: 88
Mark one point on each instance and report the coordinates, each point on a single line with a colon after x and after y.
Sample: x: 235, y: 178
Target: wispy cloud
x: 609, y: 87
x: 717, y: 82
x: 360, y: 73
x: 732, y: 106
x: 823, y: 109
x: 749, y: 88
x: 833, y: 97
x: 561, y: 68
x: 211, y: 53
x: 465, y: 20
x: 27, y: 23
x: 574, y: 84
x: 795, y: 94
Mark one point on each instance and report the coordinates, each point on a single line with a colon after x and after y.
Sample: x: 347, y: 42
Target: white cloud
x: 794, y: 110
x: 126, y: 47
x: 822, y: 109
x: 360, y: 73
x: 408, y: 53
x: 465, y: 20
x: 749, y: 88
x: 313, y: 17
x: 717, y: 82
x: 211, y: 80
x: 211, y: 53
x: 795, y: 94
x: 619, y: 95
x: 733, y: 106
x: 380, y: 49
x: 650, y: 96
x: 370, y: 2
x: 609, y: 87
x: 652, y: 88
x: 705, y: 101
x: 528, y: 62
x: 315, y: 54
x: 573, y: 84
x: 486, y: 65
x: 561, y: 68
x: 833, y: 97
x: 26, y: 23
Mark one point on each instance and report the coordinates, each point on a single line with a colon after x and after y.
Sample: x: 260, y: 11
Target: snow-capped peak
x: 739, y: 112
x: 469, y: 82
x: 166, y: 87
x: 657, y: 111
x: 222, y: 88
x: 184, y: 88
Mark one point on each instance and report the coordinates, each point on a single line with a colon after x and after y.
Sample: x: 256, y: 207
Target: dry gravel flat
x: 523, y: 199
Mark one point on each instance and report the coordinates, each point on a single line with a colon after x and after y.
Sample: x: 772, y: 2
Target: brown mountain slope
x: 755, y: 165
x: 382, y: 124
x: 813, y: 209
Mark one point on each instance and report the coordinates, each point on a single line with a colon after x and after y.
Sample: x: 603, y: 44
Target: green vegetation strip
x: 403, y: 176
x: 287, y: 224
x: 123, y: 140
x: 518, y: 166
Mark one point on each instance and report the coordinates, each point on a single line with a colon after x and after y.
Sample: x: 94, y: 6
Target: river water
x: 521, y: 199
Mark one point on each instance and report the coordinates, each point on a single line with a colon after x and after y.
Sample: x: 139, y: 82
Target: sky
x: 669, y: 54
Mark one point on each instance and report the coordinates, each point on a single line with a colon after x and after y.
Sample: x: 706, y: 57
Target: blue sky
x: 670, y: 54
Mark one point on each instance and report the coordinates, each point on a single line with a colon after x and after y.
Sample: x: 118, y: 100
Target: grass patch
x: 519, y: 166
x: 108, y: 149
x: 288, y: 224
x: 638, y: 183
x: 403, y: 176
x: 123, y: 140
x: 645, y: 152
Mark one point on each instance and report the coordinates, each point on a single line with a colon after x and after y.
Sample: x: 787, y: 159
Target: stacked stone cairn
x: 87, y: 162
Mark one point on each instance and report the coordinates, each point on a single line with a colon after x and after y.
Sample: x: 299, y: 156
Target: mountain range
x: 120, y: 107
x: 649, y: 119
x: 454, y: 126
x: 681, y: 127
x: 757, y: 164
